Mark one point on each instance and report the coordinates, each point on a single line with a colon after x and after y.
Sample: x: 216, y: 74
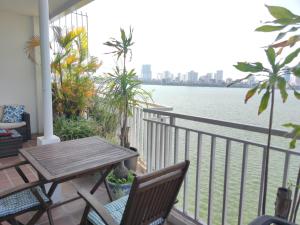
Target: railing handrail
x: 240, y: 126
x: 257, y: 144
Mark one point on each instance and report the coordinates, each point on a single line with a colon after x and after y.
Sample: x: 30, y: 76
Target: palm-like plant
x: 122, y: 91
x: 272, y: 76
x: 72, y: 68
x: 73, y: 85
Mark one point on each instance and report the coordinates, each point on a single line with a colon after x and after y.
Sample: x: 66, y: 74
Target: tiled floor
x: 69, y: 214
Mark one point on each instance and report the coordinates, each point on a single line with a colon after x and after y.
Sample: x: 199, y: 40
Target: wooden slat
x: 70, y: 158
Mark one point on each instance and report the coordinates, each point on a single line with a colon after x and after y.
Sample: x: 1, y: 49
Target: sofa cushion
x: 13, y: 113
x: 12, y: 125
x: 1, y: 112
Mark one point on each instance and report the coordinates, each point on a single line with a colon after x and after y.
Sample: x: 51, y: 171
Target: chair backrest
x: 153, y: 195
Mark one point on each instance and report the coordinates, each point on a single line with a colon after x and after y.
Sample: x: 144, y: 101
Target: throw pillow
x: 1, y: 112
x: 13, y: 113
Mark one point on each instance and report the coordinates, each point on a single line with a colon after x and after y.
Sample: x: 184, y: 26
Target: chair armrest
x: 98, y: 207
x: 19, y: 188
x: 266, y: 220
x: 26, y: 119
x: 20, y: 163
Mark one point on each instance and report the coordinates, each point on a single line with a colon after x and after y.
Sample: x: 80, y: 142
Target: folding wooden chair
x: 150, y: 201
x: 23, y: 198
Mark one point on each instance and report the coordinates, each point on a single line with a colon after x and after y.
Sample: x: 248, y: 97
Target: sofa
x: 22, y: 125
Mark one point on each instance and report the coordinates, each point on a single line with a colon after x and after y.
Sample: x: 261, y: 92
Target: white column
x: 48, y: 137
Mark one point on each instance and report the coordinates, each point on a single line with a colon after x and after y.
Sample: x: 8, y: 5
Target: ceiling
x: 30, y: 7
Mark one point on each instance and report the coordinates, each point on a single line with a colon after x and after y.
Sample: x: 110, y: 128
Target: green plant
x: 107, y: 118
x: 73, y: 85
x: 116, y: 180
x: 288, y: 24
x: 122, y: 90
x: 74, y: 128
x: 271, y: 78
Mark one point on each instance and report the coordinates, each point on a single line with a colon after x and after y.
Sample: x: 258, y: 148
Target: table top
x: 71, y: 158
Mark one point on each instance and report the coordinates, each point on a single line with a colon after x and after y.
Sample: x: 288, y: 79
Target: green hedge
x: 74, y: 128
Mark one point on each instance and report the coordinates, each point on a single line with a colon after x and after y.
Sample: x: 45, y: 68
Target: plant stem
x: 268, y: 152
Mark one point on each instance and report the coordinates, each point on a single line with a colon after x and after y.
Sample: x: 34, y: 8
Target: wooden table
x: 61, y: 162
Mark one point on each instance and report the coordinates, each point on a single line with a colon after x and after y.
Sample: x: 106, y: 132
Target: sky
x: 184, y: 35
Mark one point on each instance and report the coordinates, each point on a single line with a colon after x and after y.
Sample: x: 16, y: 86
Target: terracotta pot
x: 283, y: 202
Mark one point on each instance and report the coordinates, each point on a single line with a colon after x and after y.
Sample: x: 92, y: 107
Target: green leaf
x: 269, y: 28
x: 270, y: 52
x: 292, y: 144
x: 284, y: 21
x: 264, y: 102
x: 282, y: 34
x: 250, y: 93
x: 263, y: 86
x: 297, y: 94
x: 280, y: 12
x: 240, y: 80
x: 296, y: 71
x: 295, y: 133
x: 282, y: 87
x: 290, y: 57
x: 249, y: 67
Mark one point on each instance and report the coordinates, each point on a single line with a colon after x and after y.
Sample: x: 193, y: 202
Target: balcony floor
x: 67, y: 214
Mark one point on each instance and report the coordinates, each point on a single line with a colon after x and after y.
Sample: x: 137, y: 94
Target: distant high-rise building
x: 206, y: 78
x: 192, y: 76
x: 146, y: 72
x: 287, y: 74
x: 251, y: 81
x: 218, y: 76
x: 168, y: 75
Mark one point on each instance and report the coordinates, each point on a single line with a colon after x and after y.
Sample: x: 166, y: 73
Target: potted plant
x: 122, y: 92
x: 272, y: 78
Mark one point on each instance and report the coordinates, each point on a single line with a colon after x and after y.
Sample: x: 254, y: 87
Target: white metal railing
x: 223, y: 166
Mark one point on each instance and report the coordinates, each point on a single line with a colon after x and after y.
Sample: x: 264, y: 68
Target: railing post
x: 211, y: 181
x: 286, y: 168
x: 226, y: 180
x: 198, y: 176
x: 243, y: 182
x: 185, y: 188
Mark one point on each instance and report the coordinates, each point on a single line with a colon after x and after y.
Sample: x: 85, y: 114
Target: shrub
x: 74, y: 128
x: 108, y: 120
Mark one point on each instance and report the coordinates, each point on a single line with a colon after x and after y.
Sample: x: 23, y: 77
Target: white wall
x: 17, y: 72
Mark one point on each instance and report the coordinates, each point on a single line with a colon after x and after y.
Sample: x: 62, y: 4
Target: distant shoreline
x: 205, y: 85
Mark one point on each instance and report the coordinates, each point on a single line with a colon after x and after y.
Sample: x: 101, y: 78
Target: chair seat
x: 20, y: 201
x: 116, y: 210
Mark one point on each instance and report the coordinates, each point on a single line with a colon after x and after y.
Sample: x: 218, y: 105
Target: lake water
x: 228, y: 104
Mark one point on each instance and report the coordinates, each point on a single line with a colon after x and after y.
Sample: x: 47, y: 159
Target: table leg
x: 85, y: 215
x: 52, y: 189
x: 50, y: 216
x: 36, y: 217
x: 107, y: 190
x: 42, y: 186
x: 101, y: 180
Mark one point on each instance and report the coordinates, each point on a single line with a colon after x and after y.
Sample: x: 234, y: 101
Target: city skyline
x: 210, y: 78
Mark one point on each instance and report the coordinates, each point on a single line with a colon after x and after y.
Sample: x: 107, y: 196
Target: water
x: 227, y: 104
